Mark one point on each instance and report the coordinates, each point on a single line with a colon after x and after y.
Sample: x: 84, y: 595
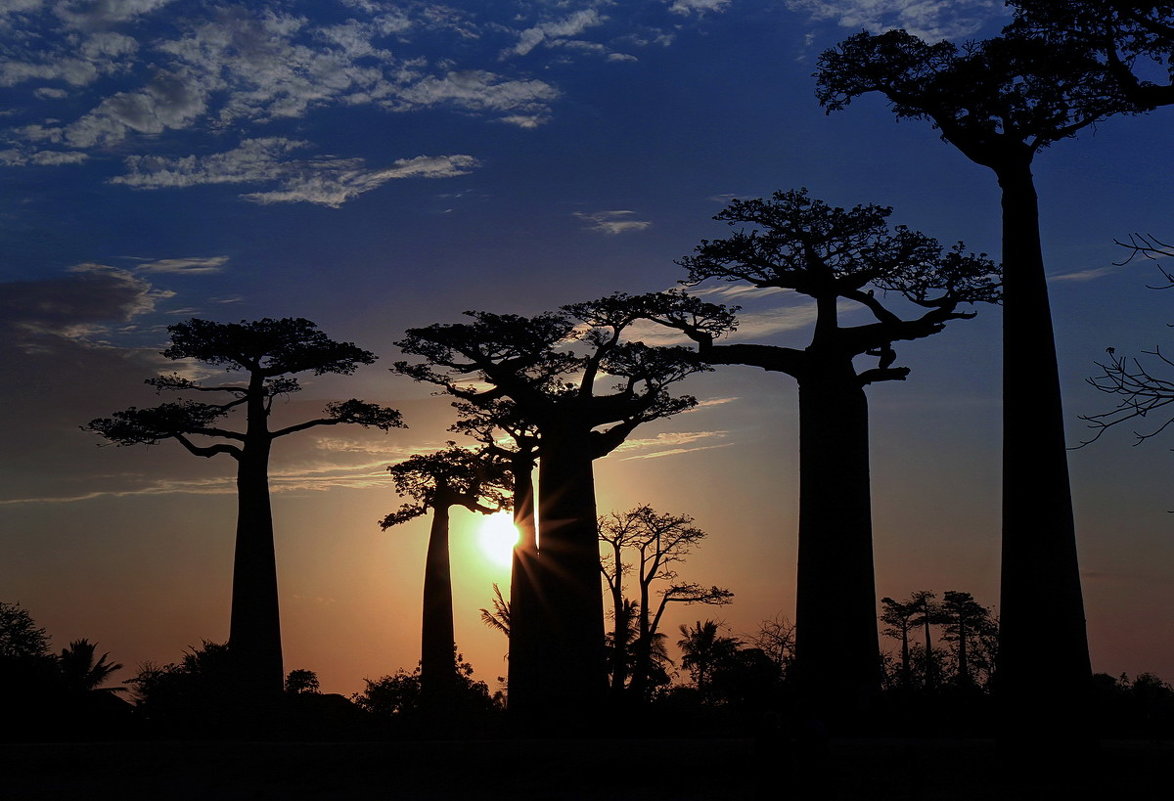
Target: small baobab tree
x: 436, y: 483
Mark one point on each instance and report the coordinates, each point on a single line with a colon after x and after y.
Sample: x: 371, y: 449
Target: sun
x: 496, y: 537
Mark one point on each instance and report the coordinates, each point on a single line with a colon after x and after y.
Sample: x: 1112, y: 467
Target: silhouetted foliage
x: 1000, y: 102
x: 20, y: 636
x: 647, y: 546
x: 437, y: 482
x: 499, y: 618
x: 704, y: 652
x: 302, y: 682
x: 397, y: 701
x: 776, y: 639
x: 82, y: 673
x: 831, y: 255
x: 1132, y: 43
x: 198, y: 696
x: 548, y: 367
x: 268, y: 353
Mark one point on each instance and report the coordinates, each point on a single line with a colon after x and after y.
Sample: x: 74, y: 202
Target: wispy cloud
x: 327, y: 181
x: 189, y: 266
x: 929, y: 20
x: 1080, y: 276
x: 686, y: 7
x: 556, y: 31
x: 672, y: 444
x: 620, y: 221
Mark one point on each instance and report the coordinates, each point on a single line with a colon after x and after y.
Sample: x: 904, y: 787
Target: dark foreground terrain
x: 570, y: 770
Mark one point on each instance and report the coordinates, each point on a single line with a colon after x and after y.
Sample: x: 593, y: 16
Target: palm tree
x: 81, y: 673
x: 703, y: 651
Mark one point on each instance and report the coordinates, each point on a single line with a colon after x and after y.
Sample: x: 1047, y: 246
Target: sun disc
x: 497, y: 536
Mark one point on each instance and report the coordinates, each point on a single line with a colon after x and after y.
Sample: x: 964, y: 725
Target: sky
x: 375, y: 166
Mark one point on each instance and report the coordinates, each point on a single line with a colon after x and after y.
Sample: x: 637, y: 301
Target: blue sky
x: 374, y: 166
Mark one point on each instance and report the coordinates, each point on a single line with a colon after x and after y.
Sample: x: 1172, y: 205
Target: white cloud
x: 1080, y: 276
x: 328, y: 181
x: 929, y: 20
x: 555, y: 31
x: 672, y: 444
x: 189, y: 266
x: 685, y: 7
x: 618, y: 221
x: 15, y: 157
x: 479, y: 90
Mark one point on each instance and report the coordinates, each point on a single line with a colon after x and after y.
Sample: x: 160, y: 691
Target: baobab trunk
x: 836, y: 650
x: 524, y: 594
x: 1040, y: 574
x: 254, y: 637
x: 437, y: 641
x: 573, y: 679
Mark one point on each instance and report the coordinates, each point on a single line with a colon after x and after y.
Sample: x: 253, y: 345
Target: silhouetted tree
x: 20, y: 636
x: 648, y: 546
x: 551, y: 367
x: 199, y: 696
x: 29, y: 675
x: 831, y: 255
x: 704, y: 650
x: 927, y: 613
x: 437, y: 482
x: 1000, y: 102
x: 776, y: 639
x: 1132, y: 43
x: 965, y: 623
x: 302, y: 682
x: 499, y: 618
x: 897, y: 617
x: 269, y: 353
x: 509, y: 437
x: 82, y: 673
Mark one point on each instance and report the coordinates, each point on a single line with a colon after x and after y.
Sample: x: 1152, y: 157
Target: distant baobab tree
x: 831, y: 255
x: 507, y: 436
x: 437, y: 482
x: 1000, y: 102
x: 648, y: 546
x: 268, y: 353
x: 553, y: 367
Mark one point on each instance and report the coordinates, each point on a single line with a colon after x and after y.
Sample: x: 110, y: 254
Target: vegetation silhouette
x: 647, y: 546
x: 1000, y: 102
x: 831, y: 255
x: 547, y: 366
x: 269, y: 353
x: 437, y: 482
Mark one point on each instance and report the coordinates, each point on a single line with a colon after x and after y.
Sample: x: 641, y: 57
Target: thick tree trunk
x: 437, y: 646
x: 1042, y: 626
x: 524, y: 596
x: 836, y: 650
x: 574, y: 677
x: 255, y: 629
x: 929, y: 667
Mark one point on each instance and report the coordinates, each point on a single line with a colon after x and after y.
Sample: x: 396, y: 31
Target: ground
x: 607, y: 770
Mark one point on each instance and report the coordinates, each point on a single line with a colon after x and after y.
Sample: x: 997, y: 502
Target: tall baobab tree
x: 1000, y: 102
x: 835, y: 256
x: 436, y: 483
x: 648, y: 546
x: 268, y: 354
x: 555, y: 368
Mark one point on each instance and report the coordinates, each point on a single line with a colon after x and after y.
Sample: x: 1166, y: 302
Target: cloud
x: 613, y: 222
x: 929, y: 20
x: 671, y: 444
x: 686, y: 7
x: 15, y: 157
x: 327, y: 181
x: 555, y: 31
x: 1080, y: 276
x: 189, y: 266
x: 526, y: 101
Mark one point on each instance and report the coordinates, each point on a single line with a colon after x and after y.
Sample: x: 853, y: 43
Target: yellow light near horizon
x: 496, y: 537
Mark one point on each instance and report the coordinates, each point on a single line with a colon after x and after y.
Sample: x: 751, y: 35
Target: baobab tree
x: 832, y: 255
x: 436, y: 483
x: 897, y: 617
x: 553, y: 368
x: 966, y: 623
x: 648, y: 546
x: 268, y: 354
x: 508, y: 437
x: 1000, y: 102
